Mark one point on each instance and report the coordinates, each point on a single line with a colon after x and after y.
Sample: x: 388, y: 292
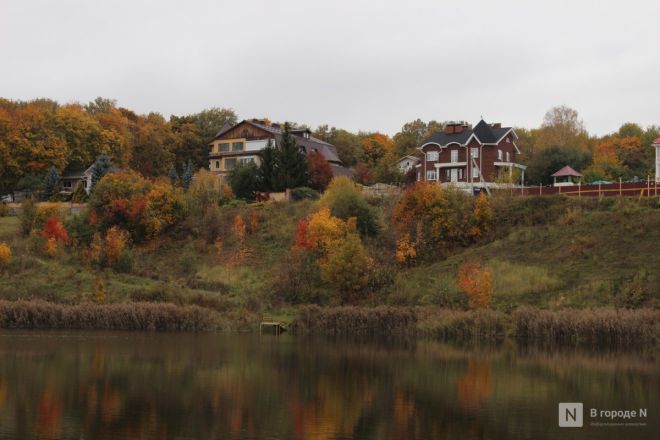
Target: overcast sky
x: 370, y: 65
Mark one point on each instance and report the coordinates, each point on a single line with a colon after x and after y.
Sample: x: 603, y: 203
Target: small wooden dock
x: 277, y: 326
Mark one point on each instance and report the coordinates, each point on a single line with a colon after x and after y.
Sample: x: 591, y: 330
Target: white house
x: 70, y: 179
x: 407, y: 163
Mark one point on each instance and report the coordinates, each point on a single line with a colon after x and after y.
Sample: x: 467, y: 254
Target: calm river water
x: 99, y: 385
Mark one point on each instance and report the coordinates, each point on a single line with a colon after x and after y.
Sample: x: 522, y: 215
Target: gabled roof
x: 483, y: 132
x: 76, y: 173
x: 656, y: 141
x: 414, y: 158
x: 567, y: 171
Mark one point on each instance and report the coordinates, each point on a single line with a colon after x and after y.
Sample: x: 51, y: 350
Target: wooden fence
x: 628, y: 189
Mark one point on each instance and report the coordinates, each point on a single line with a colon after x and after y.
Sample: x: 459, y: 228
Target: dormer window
x: 454, y: 155
x: 432, y: 156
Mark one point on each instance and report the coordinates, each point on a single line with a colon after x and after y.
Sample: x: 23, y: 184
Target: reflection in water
x: 136, y: 385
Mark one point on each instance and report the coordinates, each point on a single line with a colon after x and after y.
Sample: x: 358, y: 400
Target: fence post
x: 540, y: 189
x: 599, y: 193
x: 579, y: 189
x: 648, y: 186
x: 620, y: 192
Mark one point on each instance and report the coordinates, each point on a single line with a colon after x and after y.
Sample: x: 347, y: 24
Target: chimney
x: 496, y: 125
x: 456, y: 127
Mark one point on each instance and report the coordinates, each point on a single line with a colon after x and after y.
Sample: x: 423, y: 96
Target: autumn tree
x: 5, y: 254
x: 345, y: 200
x: 477, y: 283
x: 320, y: 172
x: 347, y: 267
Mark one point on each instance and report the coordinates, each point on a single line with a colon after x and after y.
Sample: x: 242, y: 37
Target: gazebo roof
x: 567, y: 171
x: 656, y: 141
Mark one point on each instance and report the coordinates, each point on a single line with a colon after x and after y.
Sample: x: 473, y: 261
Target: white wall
x: 256, y: 145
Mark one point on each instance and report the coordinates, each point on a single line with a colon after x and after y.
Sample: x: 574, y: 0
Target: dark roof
x: 484, y: 133
x: 76, y: 172
x: 567, y: 171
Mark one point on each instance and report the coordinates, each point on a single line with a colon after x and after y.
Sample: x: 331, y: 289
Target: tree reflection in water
x: 138, y: 385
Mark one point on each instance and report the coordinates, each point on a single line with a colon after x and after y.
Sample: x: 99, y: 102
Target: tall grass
x: 130, y: 316
x: 446, y: 324
x: 598, y: 326
x: 354, y: 321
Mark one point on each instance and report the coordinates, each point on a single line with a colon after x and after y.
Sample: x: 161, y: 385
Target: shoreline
x: 526, y: 325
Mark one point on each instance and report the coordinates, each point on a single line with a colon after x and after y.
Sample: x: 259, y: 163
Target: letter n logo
x: 570, y: 415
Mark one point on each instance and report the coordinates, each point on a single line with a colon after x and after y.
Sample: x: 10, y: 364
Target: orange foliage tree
x: 5, y: 254
x: 477, y: 283
x: 54, y: 233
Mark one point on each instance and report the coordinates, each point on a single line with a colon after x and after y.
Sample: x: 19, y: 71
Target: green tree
x: 345, y: 200
x: 267, y: 167
x: 102, y: 166
x: 551, y: 159
x: 291, y: 171
x: 51, y: 183
x: 187, y: 175
x: 244, y: 181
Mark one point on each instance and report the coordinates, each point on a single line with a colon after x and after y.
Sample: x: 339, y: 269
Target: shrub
x: 4, y: 209
x: 477, y: 283
x: 345, y: 200
x: 303, y: 193
x: 638, y: 291
x: 437, y: 219
x: 206, y: 189
x: 54, y: 233
x: 244, y: 181
x: 5, y: 254
x: 27, y: 215
x: 347, y: 267
x: 145, y: 209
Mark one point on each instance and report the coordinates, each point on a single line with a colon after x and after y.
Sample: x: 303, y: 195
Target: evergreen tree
x: 244, y: 181
x: 268, y: 167
x: 102, y: 165
x: 173, y: 175
x: 51, y: 183
x: 187, y: 174
x: 291, y: 171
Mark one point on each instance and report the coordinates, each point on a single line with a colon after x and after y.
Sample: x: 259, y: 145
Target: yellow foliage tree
x: 347, y: 267
x: 99, y: 290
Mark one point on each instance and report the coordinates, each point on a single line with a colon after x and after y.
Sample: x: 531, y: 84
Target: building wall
x: 488, y: 155
x: 657, y: 164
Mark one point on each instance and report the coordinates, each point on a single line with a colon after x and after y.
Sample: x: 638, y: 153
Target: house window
x: 499, y: 155
x: 475, y: 172
x: 508, y: 157
x: 454, y: 155
x: 460, y: 174
x: 447, y: 172
x: 475, y: 153
x: 432, y: 156
x: 508, y: 140
x: 66, y: 184
x: 246, y: 160
x: 237, y: 146
x: 431, y: 175
x: 217, y: 164
x: 230, y: 164
x: 223, y: 147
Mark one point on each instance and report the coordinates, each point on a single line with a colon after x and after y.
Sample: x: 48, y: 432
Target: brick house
x: 244, y: 142
x: 482, y: 157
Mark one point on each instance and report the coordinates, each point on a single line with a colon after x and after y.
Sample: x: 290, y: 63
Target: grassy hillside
x: 567, y: 258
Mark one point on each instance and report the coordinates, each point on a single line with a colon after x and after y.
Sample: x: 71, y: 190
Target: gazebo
x: 564, y: 177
